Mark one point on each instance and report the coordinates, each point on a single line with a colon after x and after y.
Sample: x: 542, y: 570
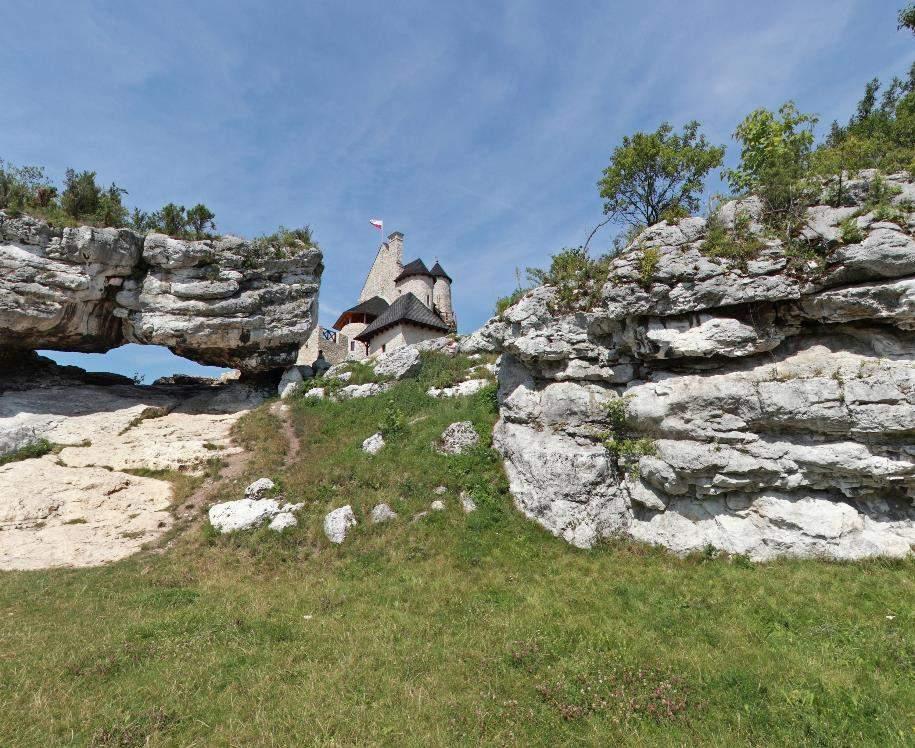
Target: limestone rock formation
x: 82, y: 506
x: 217, y: 301
x: 765, y: 408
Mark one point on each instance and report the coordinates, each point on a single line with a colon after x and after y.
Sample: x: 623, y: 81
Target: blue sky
x: 478, y: 129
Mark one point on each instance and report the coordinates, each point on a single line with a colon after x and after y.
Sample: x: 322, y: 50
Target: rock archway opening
x: 144, y: 363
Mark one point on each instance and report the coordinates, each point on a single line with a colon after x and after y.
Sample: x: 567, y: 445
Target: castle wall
x: 356, y: 348
x: 387, y: 266
x: 420, y: 286
x: 401, y: 335
x: 335, y: 351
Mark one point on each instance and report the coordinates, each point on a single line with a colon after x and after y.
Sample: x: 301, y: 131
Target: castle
x: 399, y: 305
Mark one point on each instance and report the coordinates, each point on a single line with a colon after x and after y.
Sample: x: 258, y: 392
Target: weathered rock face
x: 84, y: 505
x: 212, y: 301
x: 775, y: 402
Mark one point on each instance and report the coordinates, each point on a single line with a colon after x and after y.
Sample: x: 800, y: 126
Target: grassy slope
x: 452, y: 629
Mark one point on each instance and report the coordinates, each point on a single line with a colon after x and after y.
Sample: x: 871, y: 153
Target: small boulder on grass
x: 338, y: 523
x: 260, y: 489
x: 382, y: 513
x: 243, y: 514
x: 374, y: 444
x: 467, y: 503
x: 458, y: 438
x: 399, y: 363
x: 283, y: 520
x: 437, y: 506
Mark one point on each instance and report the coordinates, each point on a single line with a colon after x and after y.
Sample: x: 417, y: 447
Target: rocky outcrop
x: 217, y: 301
x: 764, y: 408
x: 84, y: 503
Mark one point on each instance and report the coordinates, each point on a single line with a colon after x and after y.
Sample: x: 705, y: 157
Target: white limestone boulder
x: 374, y: 444
x: 458, y: 438
x: 462, y: 389
x: 399, y: 363
x: 382, y: 513
x: 260, y: 489
x: 283, y: 521
x: 243, y: 514
x: 338, y: 523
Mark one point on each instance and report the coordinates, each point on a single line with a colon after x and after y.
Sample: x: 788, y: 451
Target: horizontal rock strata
x: 218, y: 301
x: 769, y: 407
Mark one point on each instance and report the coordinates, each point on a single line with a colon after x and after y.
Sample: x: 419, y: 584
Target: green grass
x: 38, y: 448
x: 451, y: 630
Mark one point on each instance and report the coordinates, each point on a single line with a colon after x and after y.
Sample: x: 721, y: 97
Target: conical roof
x: 417, y: 267
x: 439, y: 272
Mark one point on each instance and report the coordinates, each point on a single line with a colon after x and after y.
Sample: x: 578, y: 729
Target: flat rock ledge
x: 83, y: 506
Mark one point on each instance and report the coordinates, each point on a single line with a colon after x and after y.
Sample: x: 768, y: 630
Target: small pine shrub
x: 850, y: 232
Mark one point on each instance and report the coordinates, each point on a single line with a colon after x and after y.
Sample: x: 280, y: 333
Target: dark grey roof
x: 417, y: 267
x: 439, y: 272
x: 406, y: 308
x: 372, y: 307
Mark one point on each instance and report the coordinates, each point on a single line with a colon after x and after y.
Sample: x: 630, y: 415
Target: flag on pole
x: 377, y: 223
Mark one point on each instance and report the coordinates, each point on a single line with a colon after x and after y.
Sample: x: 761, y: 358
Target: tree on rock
x: 907, y: 17
x: 653, y: 175
x: 173, y: 220
x: 200, y: 218
x: 81, y: 194
x: 775, y: 162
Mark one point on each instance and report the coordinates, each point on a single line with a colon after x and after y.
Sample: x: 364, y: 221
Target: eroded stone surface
x: 214, y: 301
x: 776, y: 400
x: 78, y: 507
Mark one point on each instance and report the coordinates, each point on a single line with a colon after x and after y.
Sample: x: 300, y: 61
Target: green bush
x: 775, y: 164
x: 623, y: 445
x: 576, y: 277
x: 648, y: 263
x: 739, y: 246
x: 850, y: 231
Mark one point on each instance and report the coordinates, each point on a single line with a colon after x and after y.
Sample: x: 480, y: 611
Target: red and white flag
x: 377, y: 223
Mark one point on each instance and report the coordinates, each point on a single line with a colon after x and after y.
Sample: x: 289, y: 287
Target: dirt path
x: 281, y: 411
x: 92, y: 500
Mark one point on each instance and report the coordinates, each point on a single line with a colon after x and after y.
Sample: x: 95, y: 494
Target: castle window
x: 352, y: 345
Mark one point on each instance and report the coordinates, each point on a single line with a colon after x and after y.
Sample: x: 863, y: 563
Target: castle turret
x: 441, y: 295
x: 387, y: 266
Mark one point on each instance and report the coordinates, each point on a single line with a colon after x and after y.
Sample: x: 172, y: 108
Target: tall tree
x: 651, y: 174
x: 775, y: 155
x: 200, y: 218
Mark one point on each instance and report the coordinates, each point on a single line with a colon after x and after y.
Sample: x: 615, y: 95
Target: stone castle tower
x: 389, y: 278
x: 381, y: 280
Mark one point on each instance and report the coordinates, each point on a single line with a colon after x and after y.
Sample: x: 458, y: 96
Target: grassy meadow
x: 449, y: 629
